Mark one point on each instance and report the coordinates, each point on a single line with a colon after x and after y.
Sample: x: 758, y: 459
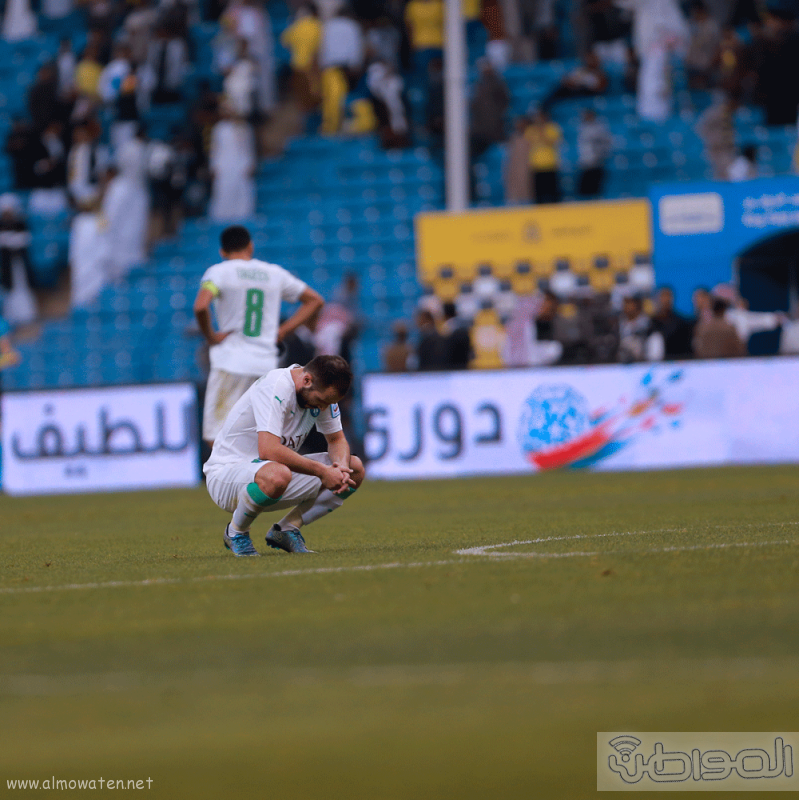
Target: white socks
x: 252, y: 501
x: 312, y: 510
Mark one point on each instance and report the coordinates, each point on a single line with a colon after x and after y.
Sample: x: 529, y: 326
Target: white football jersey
x: 247, y: 298
x: 269, y: 405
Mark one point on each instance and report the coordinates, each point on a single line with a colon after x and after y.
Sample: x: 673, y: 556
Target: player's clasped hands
x: 337, y: 478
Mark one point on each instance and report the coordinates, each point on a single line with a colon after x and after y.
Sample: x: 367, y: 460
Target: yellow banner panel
x: 576, y: 236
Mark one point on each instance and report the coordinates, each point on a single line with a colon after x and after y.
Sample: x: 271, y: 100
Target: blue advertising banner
x: 711, y: 232
x: 607, y: 417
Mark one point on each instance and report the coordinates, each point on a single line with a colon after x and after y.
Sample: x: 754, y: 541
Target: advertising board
x: 86, y: 440
x: 610, y: 417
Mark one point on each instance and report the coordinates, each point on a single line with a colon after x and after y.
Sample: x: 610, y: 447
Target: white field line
x: 484, y: 549
x: 471, y: 551
x: 479, y: 551
x: 542, y: 673
x: 233, y: 577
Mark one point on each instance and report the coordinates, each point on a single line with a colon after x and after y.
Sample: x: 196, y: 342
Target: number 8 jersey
x: 247, y: 298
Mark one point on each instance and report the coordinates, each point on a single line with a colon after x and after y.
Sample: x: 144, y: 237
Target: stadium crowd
x: 89, y: 148
x: 622, y: 327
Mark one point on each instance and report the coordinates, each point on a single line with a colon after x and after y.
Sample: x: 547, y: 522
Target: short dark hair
x: 330, y: 371
x: 234, y: 238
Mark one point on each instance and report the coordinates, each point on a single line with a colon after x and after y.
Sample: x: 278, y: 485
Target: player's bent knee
x: 273, y: 479
x: 358, y: 470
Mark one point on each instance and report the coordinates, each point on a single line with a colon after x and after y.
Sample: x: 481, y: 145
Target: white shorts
x: 221, y: 394
x: 225, y: 481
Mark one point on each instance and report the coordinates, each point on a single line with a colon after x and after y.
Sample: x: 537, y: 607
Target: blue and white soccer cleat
x: 289, y: 540
x: 240, y: 545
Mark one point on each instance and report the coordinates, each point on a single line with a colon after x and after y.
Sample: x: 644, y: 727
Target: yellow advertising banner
x: 580, y: 237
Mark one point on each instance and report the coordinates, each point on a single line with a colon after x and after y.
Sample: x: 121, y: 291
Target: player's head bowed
x: 326, y: 380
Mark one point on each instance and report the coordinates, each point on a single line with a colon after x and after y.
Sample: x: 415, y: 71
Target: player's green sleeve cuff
x: 211, y: 287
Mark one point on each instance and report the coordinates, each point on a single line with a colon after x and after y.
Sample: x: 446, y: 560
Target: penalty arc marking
x: 490, y: 550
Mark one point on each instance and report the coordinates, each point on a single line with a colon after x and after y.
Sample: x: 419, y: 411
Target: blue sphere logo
x: 552, y: 415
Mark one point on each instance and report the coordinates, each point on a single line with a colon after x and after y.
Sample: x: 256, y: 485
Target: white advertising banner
x: 609, y: 417
x: 89, y: 440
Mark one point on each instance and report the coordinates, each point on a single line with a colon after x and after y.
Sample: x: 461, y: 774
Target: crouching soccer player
x: 255, y: 467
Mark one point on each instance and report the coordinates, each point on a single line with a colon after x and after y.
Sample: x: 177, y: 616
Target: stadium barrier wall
x: 112, y: 439
x: 610, y: 417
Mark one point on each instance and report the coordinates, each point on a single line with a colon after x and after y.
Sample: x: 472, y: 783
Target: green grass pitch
x: 132, y: 645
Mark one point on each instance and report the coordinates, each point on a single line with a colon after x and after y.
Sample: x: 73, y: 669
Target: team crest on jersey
x: 334, y: 412
x: 314, y: 412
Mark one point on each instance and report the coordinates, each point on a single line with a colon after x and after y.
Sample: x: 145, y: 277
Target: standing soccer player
x: 246, y: 294
x: 255, y: 465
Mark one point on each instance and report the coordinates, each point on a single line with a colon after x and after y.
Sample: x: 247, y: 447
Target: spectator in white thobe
x: 118, y: 87
x: 19, y: 22
x: 65, y: 67
x: 89, y: 255
x: 251, y: 22
x: 342, y: 44
x: 16, y: 276
x: 126, y: 207
x: 56, y: 9
x: 386, y: 87
x: 659, y: 30
x: 87, y: 163
x: 232, y: 165
x: 165, y: 68
x: 241, y: 83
